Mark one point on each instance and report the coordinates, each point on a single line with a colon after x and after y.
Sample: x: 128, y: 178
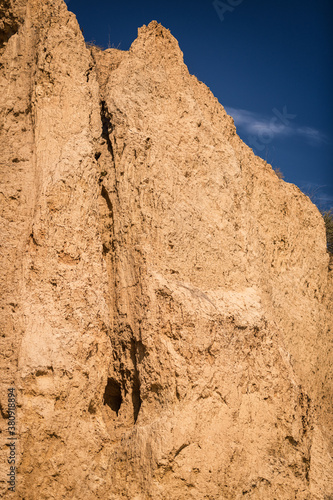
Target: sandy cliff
x: 166, y: 299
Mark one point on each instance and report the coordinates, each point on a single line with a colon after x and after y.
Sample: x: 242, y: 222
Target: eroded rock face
x: 166, y: 306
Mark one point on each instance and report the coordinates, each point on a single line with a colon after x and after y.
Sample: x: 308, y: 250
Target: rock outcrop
x: 166, y: 299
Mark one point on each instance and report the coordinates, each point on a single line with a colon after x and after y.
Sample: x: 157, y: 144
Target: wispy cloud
x: 255, y: 124
x: 312, y: 134
x: 325, y: 199
x: 319, y: 194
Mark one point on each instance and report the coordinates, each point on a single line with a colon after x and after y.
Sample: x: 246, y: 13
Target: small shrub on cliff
x: 279, y: 173
x: 328, y: 219
x: 92, y: 44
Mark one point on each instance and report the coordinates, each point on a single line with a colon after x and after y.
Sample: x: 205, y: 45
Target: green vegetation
x: 328, y: 219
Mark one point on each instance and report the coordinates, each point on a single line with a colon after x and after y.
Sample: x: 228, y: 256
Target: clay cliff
x: 166, y: 314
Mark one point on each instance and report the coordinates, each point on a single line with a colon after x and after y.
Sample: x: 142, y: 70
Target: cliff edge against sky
x: 166, y: 298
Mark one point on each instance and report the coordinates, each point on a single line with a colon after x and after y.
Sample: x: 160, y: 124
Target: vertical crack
x: 123, y: 389
x: 136, y: 385
x: 107, y: 127
x: 106, y: 197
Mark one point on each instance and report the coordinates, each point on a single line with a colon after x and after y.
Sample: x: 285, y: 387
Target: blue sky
x: 269, y: 64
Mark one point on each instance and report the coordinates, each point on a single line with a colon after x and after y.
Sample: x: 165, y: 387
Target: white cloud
x: 312, y: 134
x: 280, y: 124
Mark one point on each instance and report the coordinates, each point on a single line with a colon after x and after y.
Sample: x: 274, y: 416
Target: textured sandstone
x: 166, y: 298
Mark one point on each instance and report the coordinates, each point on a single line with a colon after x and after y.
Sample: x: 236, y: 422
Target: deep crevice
x: 88, y: 72
x: 106, y: 197
x: 136, y: 347
x: 107, y: 127
x: 136, y: 398
x: 112, y: 395
x: 106, y: 249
